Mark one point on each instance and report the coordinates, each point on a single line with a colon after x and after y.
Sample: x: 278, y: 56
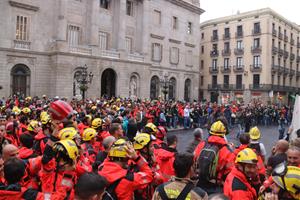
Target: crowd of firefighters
x: 118, y: 149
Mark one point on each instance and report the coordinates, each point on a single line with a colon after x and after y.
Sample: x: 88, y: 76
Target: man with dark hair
x: 244, y: 140
x: 90, y: 186
x: 198, y: 135
x: 165, y: 157
x: 181, y: 185
x: 116, y: 130
x: 26, y: 151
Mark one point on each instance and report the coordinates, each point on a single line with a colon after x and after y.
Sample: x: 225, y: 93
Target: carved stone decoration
x: 133, y: 86
x: 23, y: 6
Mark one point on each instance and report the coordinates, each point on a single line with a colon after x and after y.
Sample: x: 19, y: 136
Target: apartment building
x: 249, y: 55
x: 132, y: 47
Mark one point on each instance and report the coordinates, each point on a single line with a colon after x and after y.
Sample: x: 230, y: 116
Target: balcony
x: 274, y: 32
x: 256, y: 31
x: 110, y: 54
x: 281, y: 69
x: 298, y: 58
x: 286, y: 71
x: 20, y: 44
x: 298, y: 74
x: 280, y: 52
x: 275, y: 68
x: 226, y: 36
x: 226, y: 52
x: 286, y: 54
x: 260, y: 87
x: 292, y: 57
x: 256, y: 68
x: 84, y: 50
x: 136, y: 57
x: 292, y: 41
x: 292, y: 72
x: 256, y: 49
x: 225, y: 87
x: 239, y: 34
x: 214, y: 70
x: 274, y: 50
x: 238, y: 69
x: 286, y: 38
x: 238, y: 87
x: 226, y: 69
x: 239, y: 51
x: 214, y: 38
x: 213, y: 87
x: 214, y: 53
x: 280, y: 36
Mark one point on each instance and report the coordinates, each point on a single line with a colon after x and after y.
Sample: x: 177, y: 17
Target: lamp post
x: 165, y: 82
x: 83, y: 78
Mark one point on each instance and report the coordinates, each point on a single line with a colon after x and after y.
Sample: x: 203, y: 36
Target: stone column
x: 146, y: 29
x: 61, y: 31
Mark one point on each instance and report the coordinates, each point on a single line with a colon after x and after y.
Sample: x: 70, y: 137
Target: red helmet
x: 161, y: 132
x: 60, y: 110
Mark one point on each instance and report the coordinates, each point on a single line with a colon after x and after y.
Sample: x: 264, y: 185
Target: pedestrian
x: 198, y: 136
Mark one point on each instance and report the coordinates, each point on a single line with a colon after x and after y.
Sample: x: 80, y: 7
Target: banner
x: 296, y: 118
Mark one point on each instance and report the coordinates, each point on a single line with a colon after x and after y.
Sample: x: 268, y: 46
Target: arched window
x: 20, y: 76
x: 172, y: 89
x: 187, y: 90
x: 154, y: 87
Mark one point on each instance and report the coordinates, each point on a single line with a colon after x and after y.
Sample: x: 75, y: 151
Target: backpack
x: 110, y: 193
x: 182, y: 196
x: 208, y: 161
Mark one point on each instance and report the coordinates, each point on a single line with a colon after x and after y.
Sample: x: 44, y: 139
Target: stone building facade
x: 130, y: 46
x: 249, y: 55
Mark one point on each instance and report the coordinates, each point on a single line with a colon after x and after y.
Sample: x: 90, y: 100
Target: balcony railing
x: 20, y: 44
x: 286, y: 38
x: 280, y: 52
x: 213, y: 87
x: 226, y: 52
x: 214, y: 53
x: 298, y: 58
x: 239, y: 51
x: 275, y: 68
x: 256, y: 31
x: 136, y: 57
x: 292, y: 57
x: 281, y: 69
x: 214, y: 38
x: 256, y: 68
x: 226, y: 69
x: 292, y: 72
x: 256, y: 49
x: 226, y: 87
x: 239, y: 87
x: 110, y: 54
x: 85, y: 50
x: 260, y: 87
x: 274, y: 32
x: 286, y: 71
x: 239, y: 68
x: 214, y: 70
x: 226, y: 36
x: 292, y: 41
x: 274, y: 50
x: 280, y: 36
x: 298, y: 74
x: 286, y: 54
x: 239, y: 34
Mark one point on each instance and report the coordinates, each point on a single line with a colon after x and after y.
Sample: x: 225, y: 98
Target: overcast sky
x: 290, y: 9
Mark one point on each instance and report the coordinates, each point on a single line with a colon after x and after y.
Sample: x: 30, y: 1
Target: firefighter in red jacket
x: 242, y: 180
x: 43, y: 135
x: 122, y: 181
x: 160, y: 135
x: 225, y: 157
x: 143, y: 144
x: 88, y: 148
x: 58, y: 172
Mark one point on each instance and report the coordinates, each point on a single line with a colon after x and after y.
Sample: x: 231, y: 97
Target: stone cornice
x: 189, y: 45
x: 157, y: 36
x: 188, y: 6
x: 172, y: 69
x: 174, y: 41
x: 23, y: 6
x: 249, y: 14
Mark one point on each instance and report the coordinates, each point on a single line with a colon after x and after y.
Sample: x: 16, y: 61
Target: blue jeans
x: 186, y: 122
x: 174, y: 121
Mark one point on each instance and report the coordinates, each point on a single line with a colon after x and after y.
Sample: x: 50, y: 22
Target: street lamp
x: 165, y: 85
x: 83, y: 78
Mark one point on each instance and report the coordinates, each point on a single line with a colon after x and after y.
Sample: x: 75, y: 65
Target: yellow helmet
x: 153, y: 129
x: 66, y: 148
x: 28, y: 98
x: 88, y: 134
x: 43, y: 113
x: 26, y: 110
x: 247, y: 156
x: 45, y: 119
x: 254, y: 133
x: 290, y: 181
x: 218, y: 129
x: 96, y: 123
x: 94, y: 108
x: 141, y: 140
x: 67, y: 133
x: 33, y: 124
x: 16, y: 110
x: 118, y: 149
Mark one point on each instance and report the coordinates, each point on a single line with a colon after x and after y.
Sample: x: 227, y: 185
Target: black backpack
x: 208, y: 161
